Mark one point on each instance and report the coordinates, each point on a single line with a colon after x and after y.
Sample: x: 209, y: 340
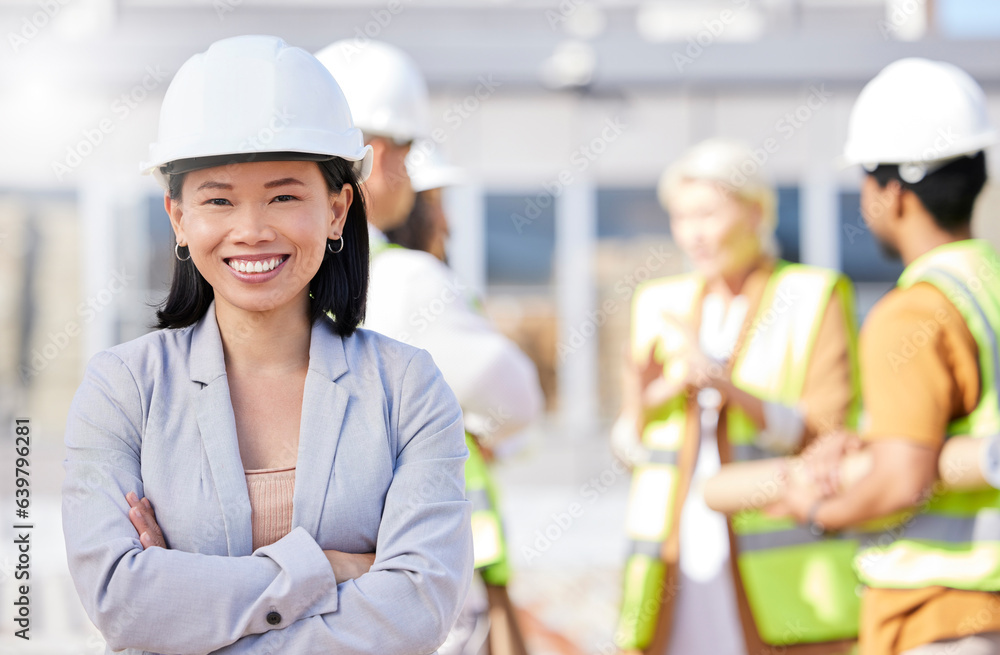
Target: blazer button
x: 273, y: 618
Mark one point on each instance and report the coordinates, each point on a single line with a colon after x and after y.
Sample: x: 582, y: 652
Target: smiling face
x: 716, y: 230
x: 257, y: 231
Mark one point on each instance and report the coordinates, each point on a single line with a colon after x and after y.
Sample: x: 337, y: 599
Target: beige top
x: 270, y: 493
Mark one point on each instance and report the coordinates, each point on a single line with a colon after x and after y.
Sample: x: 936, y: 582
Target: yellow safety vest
x: 800, y: 587
x: 955, y: 540
x: 489, y: 546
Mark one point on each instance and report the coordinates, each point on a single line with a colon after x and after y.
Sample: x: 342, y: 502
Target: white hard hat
x: 430, y: 170
x: 253, y: 98
x: 918, y: 114
x: 386, y: 91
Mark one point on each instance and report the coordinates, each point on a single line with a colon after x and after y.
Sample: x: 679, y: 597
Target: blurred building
x: 564, y: 112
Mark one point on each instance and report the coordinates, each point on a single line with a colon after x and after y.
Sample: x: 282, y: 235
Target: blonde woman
x: 746, y: 357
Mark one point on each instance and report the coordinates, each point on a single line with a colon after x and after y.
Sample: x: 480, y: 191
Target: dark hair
x: 949, y: 193
x: 340, y: 286
x: 415, y: 233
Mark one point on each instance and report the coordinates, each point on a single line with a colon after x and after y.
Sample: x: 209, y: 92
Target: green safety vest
x: 955, y: 540
x: 800, y: 587
x: 488, y: 542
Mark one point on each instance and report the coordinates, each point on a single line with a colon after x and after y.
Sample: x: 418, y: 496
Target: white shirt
x: 415, y: 298
x: 706, y: 619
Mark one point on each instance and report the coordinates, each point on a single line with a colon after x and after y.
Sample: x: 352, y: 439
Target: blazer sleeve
x: 162, y: 600
x: 408, y: 601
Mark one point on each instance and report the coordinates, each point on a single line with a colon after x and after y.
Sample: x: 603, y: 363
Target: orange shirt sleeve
x: 919, y: 366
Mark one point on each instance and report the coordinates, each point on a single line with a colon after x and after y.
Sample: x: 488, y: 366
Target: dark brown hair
x: 949, y: 193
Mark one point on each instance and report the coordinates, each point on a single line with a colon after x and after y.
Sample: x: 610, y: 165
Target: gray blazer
x: 380, y: 469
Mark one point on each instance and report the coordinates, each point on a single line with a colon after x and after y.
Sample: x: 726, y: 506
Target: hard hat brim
x: 197, y: 163
x: 362, y: 167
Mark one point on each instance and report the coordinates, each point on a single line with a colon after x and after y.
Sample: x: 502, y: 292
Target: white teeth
x: 255, y: 267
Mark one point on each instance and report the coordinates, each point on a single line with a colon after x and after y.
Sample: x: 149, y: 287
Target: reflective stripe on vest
x: 652, y: 496
x: 745, y: 452
x: 983, y: 527
x: 955, y: 540
x: 788, y: 575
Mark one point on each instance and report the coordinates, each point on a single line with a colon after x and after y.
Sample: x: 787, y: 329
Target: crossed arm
x: 346, y: 566
x: 169, y: 601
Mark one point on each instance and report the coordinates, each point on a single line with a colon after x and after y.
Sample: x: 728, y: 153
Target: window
x: 520, y: 239
x: 624, y: 213
x: 629, y: 212
x: 787, y: 232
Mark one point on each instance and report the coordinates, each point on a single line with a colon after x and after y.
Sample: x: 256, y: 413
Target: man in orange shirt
x: 929, y: 368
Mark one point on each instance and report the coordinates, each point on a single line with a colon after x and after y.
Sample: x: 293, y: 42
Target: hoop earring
x: 330, y: 248
x: 177, y: 253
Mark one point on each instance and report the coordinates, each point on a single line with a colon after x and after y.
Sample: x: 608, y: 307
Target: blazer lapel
x: 214, y: 410
x: 324, y: 405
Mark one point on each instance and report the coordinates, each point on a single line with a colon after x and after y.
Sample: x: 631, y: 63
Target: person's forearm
x: 874, y: 496
x: 217, y: 599
x: 392, y: 613
x: 751, y: 405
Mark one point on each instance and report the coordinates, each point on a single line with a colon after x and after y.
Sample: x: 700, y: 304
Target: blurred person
x: 929, y: 362
x: 747, y: 357
x: 259, y: 474
x: 490, y: 616
x: 416, y: 298
x: 426, y: 228
x: 389, y: 103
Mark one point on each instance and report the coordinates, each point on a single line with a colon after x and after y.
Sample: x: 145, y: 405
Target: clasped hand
x: 820, y: 478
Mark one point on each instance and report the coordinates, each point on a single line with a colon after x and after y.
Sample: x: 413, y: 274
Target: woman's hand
x: 823, y: 458
x: 144, y: 521
x: 349, y: 566
x: 799, y: 498
x: 644, y: 386
x: 699, y: 370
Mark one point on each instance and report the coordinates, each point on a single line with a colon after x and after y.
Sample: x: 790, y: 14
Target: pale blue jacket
x: 380, y: 469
